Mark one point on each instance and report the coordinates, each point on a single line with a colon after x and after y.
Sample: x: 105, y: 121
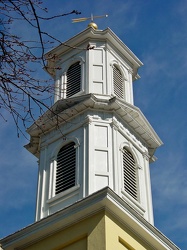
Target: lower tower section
x: 105, y: 142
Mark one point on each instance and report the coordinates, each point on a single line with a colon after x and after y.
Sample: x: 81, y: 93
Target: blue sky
x: 156, y: 31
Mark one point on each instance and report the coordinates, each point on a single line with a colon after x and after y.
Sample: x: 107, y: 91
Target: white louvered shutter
x: 66, y: 168
x: 118, y: 82
x: 129, y: 174
x: 73, y: 79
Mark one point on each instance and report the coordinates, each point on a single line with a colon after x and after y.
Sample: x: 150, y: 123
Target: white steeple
x: 93, y: 136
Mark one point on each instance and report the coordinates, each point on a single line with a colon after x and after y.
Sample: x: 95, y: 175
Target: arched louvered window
x: 66, y: 168
x: 73, y: 79
x: 129, y: 174
x: 118, y: 82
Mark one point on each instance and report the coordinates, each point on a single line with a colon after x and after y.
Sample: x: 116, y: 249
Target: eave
x: 81, y: 40
x: 103, y: 200
x: 66, y: 109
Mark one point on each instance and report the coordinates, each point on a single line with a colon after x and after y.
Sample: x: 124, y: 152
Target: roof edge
x: 104, y: 199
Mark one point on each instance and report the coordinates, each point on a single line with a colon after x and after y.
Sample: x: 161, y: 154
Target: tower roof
x: 81, y: 42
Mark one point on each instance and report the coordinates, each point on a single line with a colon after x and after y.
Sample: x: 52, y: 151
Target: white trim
x: 129, y: 136
x: 135, y: 204
x: 63, y: 195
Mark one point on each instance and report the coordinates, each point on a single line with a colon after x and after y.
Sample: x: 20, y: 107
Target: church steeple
x: 94, y: 148
x: 93, y: 136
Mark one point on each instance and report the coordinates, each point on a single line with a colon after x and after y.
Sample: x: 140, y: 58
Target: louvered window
x: 73, y: 79
x: 129, y: 174
x: 66, y: 168
x: 118, y: 82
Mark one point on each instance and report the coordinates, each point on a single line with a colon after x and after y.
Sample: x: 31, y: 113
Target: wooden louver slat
x: 118, y: 82
x: 73, y: 79
x: 130, y: 174
x: 66, y: 168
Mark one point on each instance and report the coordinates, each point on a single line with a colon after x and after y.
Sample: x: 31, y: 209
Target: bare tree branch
x: 21, y: 92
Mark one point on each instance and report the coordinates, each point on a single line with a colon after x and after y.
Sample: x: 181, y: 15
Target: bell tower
x: 93, y: 136
x: 94, y: 149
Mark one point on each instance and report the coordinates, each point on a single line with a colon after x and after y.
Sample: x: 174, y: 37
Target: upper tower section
x: 94, y: 61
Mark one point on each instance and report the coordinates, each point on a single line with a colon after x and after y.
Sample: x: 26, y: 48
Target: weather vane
x: 91, y: 24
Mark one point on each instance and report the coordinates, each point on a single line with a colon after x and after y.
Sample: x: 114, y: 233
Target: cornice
x: 66, y: 109
x: 80, y: 41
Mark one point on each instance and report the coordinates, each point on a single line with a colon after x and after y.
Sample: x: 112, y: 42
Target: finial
x: 91, y: 24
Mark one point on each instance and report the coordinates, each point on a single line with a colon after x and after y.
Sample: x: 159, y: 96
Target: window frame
x: 68, y: 87
x: 116, y: 82
x: 138, y: 205
x: 61, y: 174
x: 62, y: 79
x: 136, y: 175
x: 53, y: 171
x: 122, y: 69
x: 125, y: 195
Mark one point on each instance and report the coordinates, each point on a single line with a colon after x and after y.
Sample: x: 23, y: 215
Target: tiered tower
x: 95, y: 137
x: 94, y: 148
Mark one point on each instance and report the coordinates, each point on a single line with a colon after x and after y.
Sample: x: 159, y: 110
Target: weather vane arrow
x: 92, y: 24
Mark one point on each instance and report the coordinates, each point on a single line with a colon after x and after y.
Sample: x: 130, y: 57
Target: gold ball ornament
x: 93, y: 25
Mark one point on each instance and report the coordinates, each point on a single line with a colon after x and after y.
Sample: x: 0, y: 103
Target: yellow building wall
x: 78, y: 244
x: 119, y: 237
x: 88, y: 234
x: 98, y: 232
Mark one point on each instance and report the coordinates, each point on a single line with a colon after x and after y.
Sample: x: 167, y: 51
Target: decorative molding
x: 146, y: 156
x: 96, y: 117
x: 129, y: 70
x: 89, y: 119
x: 120, y: 127
x: 92, y: 118
x: 115, y: 62
x: 139, y: 166
x: 69, y: 61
